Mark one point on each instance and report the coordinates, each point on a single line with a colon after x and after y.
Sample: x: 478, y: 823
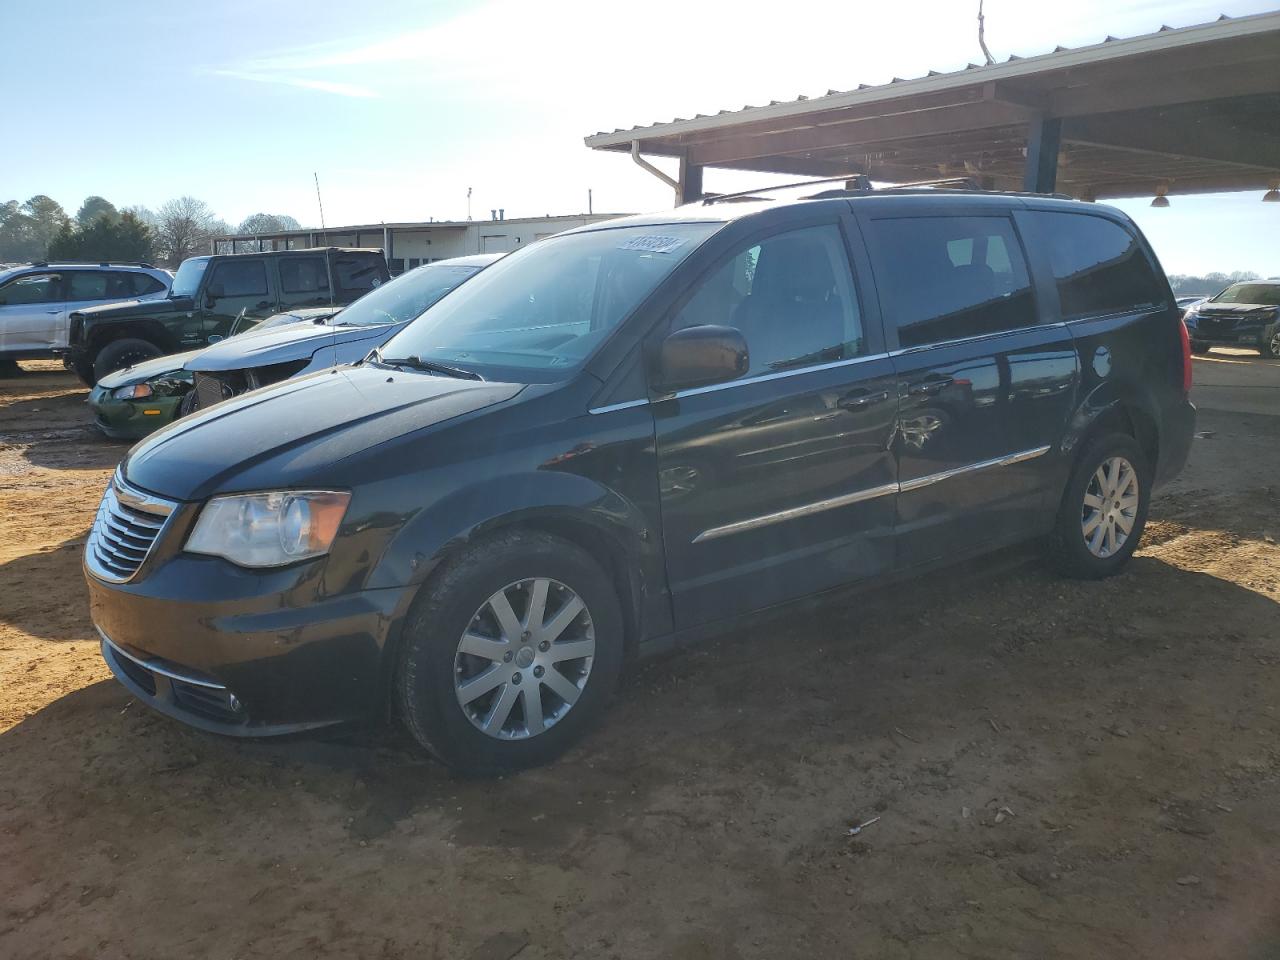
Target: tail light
x: 1186, y: 357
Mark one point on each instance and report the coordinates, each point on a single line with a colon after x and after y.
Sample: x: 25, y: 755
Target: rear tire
x: 1109, y: 491
x: 454, y: 636
x: 122, y: 353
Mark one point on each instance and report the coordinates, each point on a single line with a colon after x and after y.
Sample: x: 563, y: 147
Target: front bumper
x: 195, y: 632
x: 131, y: 419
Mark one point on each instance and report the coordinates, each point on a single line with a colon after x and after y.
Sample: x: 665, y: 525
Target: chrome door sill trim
x: 156, y: 668
x: 807, y: 510
x: 1004, y: 461
x: 870, y: 493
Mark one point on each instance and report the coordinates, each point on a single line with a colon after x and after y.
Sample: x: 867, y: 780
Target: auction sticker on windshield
x: 652, y: 244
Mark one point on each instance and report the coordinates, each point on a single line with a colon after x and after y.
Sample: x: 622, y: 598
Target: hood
x: 137, y: 308
x: 147, y: 370
x: 283, y: 435
x: 317, y: 314
x: 1234, y: 309
x: 293, y: 341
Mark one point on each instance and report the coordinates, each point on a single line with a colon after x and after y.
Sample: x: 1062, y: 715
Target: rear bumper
x: 1175, y: 441
x: 196, y: 632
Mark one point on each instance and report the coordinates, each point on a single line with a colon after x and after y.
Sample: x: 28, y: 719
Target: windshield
x: 407, y: 296
x: 187, y: 279
x: 543, y: 309
x: 1267, y: 294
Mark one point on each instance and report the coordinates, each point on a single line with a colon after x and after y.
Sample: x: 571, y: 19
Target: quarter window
x: 31, y: 288
x: 304, y: 275
x: 948, y: 278
x: 144, y: 284
x: 239, y: 278
x: 791, y: 296
x: 1098, y: 265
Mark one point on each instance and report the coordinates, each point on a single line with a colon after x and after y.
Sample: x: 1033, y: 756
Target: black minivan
x: 627, y: 434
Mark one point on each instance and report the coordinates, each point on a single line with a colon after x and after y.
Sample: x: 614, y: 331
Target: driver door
x: 236, y: 288
x: 780, y: 483
x: 31, y: 312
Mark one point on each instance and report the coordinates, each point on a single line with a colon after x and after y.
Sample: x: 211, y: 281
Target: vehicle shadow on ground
x: 56, y: 432
x: 44, y: 595
x: 737, y: 765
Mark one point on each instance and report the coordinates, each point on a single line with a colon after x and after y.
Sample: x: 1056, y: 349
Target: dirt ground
x: 1059, y: 769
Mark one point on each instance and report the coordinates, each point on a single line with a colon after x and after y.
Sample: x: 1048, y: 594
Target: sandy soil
x: 1059, y: 769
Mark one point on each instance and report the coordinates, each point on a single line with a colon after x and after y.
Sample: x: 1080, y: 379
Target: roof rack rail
x: 856, y: 183
x: 94, y: 263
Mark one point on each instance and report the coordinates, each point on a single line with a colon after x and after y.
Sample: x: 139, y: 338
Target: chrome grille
x: 126, y: 528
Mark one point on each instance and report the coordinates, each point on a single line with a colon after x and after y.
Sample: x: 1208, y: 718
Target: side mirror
x: 700, y: 356
x: 212, y: 293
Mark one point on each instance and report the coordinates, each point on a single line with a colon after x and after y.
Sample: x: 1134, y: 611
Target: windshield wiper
x: 430, y: 366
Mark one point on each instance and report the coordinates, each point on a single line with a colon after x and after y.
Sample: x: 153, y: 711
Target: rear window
x: 1098, y: 265
x: 359, y: 273
x: 948, y: 278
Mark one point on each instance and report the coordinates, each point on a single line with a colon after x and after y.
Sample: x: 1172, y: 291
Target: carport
x: 1188, y: 110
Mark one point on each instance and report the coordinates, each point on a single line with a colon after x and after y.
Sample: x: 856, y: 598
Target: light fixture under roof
x: 1161, y: 200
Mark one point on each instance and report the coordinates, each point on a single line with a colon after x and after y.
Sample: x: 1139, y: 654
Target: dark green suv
x: 211, y: 296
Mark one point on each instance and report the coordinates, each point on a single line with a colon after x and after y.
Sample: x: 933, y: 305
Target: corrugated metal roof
x: 1061, y: 58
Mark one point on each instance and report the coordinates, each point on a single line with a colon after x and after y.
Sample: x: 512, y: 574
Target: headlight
x: 269, y: 529
x: 135, y: 391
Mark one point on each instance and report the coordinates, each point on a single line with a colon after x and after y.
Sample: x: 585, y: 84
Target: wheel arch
x: 1109, y: 408
x: 101, y: 335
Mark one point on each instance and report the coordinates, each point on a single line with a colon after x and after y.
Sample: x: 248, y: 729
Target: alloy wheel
x: 524, y: 659
x: 1110, y: 507
x: 1275, y: 343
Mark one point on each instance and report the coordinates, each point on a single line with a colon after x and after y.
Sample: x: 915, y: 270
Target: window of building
x: 239, y: 278
x: 792, y: 297
x: 1099, y: 267
x: 304, y: 275
x: 947, y: 278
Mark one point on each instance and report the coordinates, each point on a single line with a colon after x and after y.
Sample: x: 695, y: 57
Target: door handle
x: 52, y: 311
x: 930, y: 386
x: 852, y: 401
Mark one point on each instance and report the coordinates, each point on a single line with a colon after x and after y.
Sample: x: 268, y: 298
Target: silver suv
x: 36, y: 299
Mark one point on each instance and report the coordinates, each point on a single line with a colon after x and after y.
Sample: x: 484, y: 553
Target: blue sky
x: 401, y: 106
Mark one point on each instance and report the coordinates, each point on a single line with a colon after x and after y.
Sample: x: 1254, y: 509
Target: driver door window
x: 791, y: 296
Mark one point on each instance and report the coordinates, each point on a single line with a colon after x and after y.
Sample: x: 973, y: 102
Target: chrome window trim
x: 155, y: 668
x: 792, y: 513
x: 901, y: 351
x: 870, y: 493
x: 764, y: 377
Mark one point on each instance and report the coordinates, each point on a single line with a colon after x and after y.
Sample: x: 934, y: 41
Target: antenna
x: 468, y: 203
x: 982, y: 37
x: 324, y: 238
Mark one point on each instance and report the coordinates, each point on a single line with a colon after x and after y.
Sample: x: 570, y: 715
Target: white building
x: 408, y: 245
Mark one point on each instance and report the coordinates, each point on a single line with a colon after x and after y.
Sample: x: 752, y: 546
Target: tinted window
x: 791, y: 296
x: 86, y: 285
x: 304, y: 275
x: 144, y: 284
x: 946, y: 278
x: 1098, y: 265
x: 359, y: 274
x: 31, y: 288
x: 239, y: 278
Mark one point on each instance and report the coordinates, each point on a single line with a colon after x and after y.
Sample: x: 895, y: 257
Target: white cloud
x: 325, y: 86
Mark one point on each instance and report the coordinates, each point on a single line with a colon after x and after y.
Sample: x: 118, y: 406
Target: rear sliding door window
x: 948, y: 278
x: 791, y: 296
x: 1098, y: 265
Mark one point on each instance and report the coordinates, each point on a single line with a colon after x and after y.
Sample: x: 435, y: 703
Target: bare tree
x: 184, y: 228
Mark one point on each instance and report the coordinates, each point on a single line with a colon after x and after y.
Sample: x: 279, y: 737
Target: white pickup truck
x: 36, y: 299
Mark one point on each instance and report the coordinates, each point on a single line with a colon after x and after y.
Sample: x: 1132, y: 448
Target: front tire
x: 1270, y: 346
x: 122, y: 353
x: 1199, y: 346
x: 510, y: 654
x: 1103, y: 510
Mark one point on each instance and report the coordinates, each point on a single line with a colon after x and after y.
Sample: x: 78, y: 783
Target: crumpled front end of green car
x: 133, y: 402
